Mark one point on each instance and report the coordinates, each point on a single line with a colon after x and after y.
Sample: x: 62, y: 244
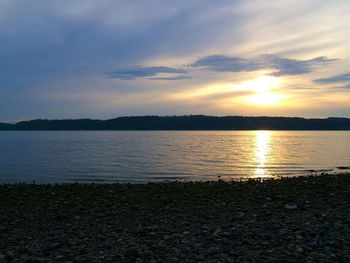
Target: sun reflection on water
x: 262, y: 139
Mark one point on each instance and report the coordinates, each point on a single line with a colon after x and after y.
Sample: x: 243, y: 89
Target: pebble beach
x: 299, y: 219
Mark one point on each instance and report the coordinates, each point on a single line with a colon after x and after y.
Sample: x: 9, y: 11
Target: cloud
x: 343, y: 87
x: 283, y: 66
x: 142, y: 72
x: 173, y: 78
x: 227, y: 64
x: 221, y: 63
x: 334, y: 79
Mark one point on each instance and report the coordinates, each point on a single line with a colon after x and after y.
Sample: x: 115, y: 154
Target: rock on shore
x: 304, y: 219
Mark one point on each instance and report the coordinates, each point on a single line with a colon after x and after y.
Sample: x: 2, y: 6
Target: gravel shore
x: 303, y: 219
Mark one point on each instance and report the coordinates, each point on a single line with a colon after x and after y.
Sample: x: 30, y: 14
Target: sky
x: 109, y: 58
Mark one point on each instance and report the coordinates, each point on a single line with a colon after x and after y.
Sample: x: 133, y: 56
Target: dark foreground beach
x: 304, y: 219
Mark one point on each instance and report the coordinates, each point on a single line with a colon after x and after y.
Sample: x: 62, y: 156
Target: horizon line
x: 12, y: 122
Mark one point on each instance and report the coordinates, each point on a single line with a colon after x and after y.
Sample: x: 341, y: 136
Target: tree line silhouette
x: 189, y: 122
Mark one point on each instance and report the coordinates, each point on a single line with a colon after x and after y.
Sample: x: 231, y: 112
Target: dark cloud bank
x: 283, y: 66
x: 220, y: 63
x: 334, y: 79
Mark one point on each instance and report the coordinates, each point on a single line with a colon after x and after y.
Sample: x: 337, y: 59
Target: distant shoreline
x: 186, y: 123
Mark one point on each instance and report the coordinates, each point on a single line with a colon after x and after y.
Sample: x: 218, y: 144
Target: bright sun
x: 261, y: 87
x: 261, y: 84
x: 265, y: 99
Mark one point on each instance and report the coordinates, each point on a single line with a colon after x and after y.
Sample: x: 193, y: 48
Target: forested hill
x: 191, y: 122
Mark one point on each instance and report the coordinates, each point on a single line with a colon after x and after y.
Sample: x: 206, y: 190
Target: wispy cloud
x: 282, y: 66
x: 334, y: 79
x: 343, y: 87
x: 181, y: 77
x: 143, y: 72
x: 227, y: 64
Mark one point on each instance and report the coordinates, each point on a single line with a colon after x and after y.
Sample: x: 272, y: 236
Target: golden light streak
x: 213, y: 89
x: 262, y: 140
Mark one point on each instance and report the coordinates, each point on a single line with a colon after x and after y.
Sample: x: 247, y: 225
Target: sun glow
x: 259, y: 92
x: 213, y: 89
x: 261, y: 87
x: 265, y: 99
x: 261, y: 84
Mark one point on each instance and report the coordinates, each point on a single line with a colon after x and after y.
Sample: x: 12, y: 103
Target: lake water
x: 142, y: 156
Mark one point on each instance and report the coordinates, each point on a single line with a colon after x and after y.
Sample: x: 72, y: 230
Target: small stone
x: 213, y: 250
x: 338, y: 225
x: 73, y: 228
x: 54, y: 246
x: 200, y: 257
x: 291, y: 207
x: 81, y: 235
x: 241, y: 214
x: 225, y: 234
x: 10, y: 256
x: 282, y: 232
x: 299, y: 237
x: 36, y: 260
x: 186, y: 233
x: 313, y: 243
x: 59, y: 257
x: 153, y: 234
x: 299, y: 250
x: 132, y: 253
x: 167, y: 237
x: 116, y: 257
x: 204, y: 232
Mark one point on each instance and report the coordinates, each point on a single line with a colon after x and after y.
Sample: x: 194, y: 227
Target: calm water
x: 139, y: 156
